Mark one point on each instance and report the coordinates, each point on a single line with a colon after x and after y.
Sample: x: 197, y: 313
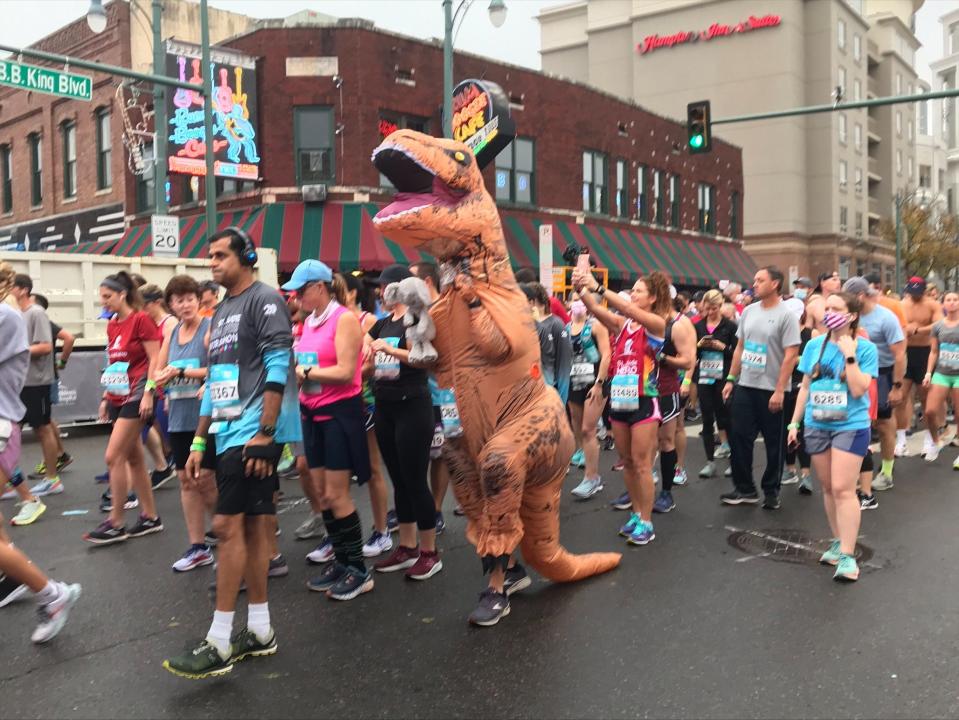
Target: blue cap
x: 306, y: 272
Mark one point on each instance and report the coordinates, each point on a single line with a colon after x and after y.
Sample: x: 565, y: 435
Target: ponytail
x: 339, y: 289
x: 122, y: 282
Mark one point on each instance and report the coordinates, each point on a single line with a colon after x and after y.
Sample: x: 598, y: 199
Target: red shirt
x: 125, y: 340
x: 556, y: 307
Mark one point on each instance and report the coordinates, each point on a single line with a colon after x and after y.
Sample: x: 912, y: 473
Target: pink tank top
x: 322, y: 341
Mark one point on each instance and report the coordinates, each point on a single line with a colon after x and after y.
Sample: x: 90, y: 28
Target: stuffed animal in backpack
x: 420, y: 331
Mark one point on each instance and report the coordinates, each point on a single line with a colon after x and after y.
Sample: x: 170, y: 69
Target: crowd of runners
x: 228, y: 386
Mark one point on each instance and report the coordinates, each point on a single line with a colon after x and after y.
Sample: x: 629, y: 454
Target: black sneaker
x: 493, y: 606
x: 609, y: 444
x: 516, y: 579
x: 159, y: 478
x: 146, y: 526
x: 278, y: 567
x: 737, y: 498
x: 330, y: 576
x: 106, y: 534
x: 246, y: 644
x: 867, y: 502
x: 355, y: 582
x: 771, y: 502
x: 392, y: 523
x: 210, y: 538
x: 440, y: 524
x: 200, y: 662
x: 63, y: 461
x: 106, y: 502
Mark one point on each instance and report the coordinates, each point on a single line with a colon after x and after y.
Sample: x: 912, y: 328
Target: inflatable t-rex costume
x: 508, y: 465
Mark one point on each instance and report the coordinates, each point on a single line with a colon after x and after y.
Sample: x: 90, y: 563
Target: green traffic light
x: 696, y: 141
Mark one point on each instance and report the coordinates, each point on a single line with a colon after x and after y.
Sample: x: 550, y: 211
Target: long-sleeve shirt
x: 556, y: 353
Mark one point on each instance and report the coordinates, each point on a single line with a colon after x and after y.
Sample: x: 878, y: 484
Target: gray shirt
x: 884, y: 330
x: 948, y: 338
x: 184, y: 404
x: 766, y: 333
x: 14, y: 361
x: 38, y: 331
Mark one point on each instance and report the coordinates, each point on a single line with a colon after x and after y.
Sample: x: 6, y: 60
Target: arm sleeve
x: 564, y: 360
x: 206, y: 403
x: 274, y: 329
x: 277, y: 364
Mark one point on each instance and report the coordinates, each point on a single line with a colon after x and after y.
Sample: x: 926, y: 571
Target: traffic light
x: 697, y: 127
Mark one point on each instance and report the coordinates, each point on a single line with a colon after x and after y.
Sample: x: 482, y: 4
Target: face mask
x: 835, y: 320
x: 578, y: 309
x: 801, y: 293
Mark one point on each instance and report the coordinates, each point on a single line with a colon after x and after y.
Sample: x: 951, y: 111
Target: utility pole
x: 159, y: 111
x: 208, y: 119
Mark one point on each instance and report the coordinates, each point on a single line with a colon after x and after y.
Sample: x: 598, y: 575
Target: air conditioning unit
x: 314, y: 193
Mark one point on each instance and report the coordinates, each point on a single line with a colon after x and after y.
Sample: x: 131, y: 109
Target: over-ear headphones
x: 248, y: 256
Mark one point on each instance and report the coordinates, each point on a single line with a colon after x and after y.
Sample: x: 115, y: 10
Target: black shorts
x: 370, y: 423
x: 883, y: 386
x: 326, y: 445
x: 578, y: 397
x: 648, y: 412
x: 239, y: 493
x: 127, y: 411
x: 180, y: 443
x: 917, y: 360
x: 670, y: 406
x: 37, y: 400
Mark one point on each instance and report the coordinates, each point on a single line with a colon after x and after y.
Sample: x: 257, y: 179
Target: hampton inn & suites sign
x: 716, y: 30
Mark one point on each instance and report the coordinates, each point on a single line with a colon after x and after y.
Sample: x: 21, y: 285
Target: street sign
x: 45, y: 80
x: 165, y: 235
x: 546, y: 255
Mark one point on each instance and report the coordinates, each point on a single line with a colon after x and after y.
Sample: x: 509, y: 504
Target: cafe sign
x: 481, y: 119
x: 716, y: 30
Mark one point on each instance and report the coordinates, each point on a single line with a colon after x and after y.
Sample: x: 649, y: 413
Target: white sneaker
x: 882, y: 482
x: 790, y: 477
x: 901, y: 450
x: 932, y: 453
x: 708, y: 470
x: 587, y: 488
x: 10, y: 493
x: 47, y: 487
x: 321, y: 554
x: 378, y: 544
x: 312, y: 527
x: 53, y: 616
x: 680, y: 478
x: 722, y: 451
x: 30, y: 511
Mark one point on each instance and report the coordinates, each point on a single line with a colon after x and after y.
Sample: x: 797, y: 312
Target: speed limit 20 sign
x: 166, y: 235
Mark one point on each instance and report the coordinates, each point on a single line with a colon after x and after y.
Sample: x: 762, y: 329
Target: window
x: 857, y: 136
x: 842, y: 78
x: 842, y: 173
x: 842, y: 128
x: 313, y: 143
x: 954, y: 38
x: 898, y: 83
x: 841, y: 34
x: 857, y: 90
x: 187, y: 195
x: 860, y: 267
x: 909, y: 164
x: 898, y: 123
x: 857, y: 47
x: 922, y: 113
x: 899, y: 162
x: 925, y: 176
x: 859, y: 230
x: 707, y: 220
x: 36, y: 169
x: 146, y: 183
x: 622, y: 195
x: 68, y: 131
x: 949, y: 203
x: 674, y: 201
x: 734, y: 216
x: 641, y: 198
x: 843, y: 267
x: 858, y: 180
x: 514, y: 172
x: 909, y: 132
x: 595, y: 197
x: 6, y: 178
x: 659, y: 197
x: 843, y: 219
x: 229, y: 186
x: 104, y: 150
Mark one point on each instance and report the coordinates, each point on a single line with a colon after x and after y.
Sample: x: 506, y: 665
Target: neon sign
x: 656, y: 42
x: 387, y: 127
x: 232, y: 80
x: 481, y: 119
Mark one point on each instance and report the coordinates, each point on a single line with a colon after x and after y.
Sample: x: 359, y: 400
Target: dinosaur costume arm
x: 490, y: 341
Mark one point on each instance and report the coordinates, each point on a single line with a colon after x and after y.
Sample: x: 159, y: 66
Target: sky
x: 516, y: 42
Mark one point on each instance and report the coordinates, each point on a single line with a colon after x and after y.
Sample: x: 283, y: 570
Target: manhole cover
x: 784, y: 545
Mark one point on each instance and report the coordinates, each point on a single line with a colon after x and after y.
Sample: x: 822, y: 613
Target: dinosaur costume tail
x: 540, y: 545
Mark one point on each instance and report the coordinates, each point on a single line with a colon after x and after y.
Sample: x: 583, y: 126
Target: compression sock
x: 887, y: 467
x: 352, y: 539
x: 220, y: 631
x: 334, y: 531
x: 258, y: 621
x: 667, y: 464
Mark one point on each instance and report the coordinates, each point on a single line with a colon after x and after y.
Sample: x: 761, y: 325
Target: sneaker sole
x: 368, y: 554
x: 827, y: 561
x: 640, y: 543
x: 398, y: 566
x: 163, y: 482
x: 280, y: 572
x: 194, y: 566
x: 63, y: 466
x: 580, y: 496
x: 846, y: 578
x: 518, y: 585
x: 491, y: 623
x: 150, y: 531
x: 663, y: 511
x: 314, y: 588
x: 740, y: 501
x: 61, y: 620
x: 198, y: 676
x: 621, y: 506
x: 111, y: 541
x: 55, y: 491
x: 311, y: 561
x: 869, y: 507
x: 426, y: 576
x: 263, y: 652
x: 29, y: 521
x: 356, y: 592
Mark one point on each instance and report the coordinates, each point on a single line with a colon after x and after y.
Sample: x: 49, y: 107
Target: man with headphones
x: 250, y: 405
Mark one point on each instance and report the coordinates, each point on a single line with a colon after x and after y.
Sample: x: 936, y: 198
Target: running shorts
x: 648, y: 412
x: 37, y: 400
x: 239, y: 493
x: 917, y: 361
x: 851, y: 441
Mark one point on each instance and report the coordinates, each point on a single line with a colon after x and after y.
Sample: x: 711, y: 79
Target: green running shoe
x: 847, y: 570
x: 287, y: 460
x: 832, y: 555
x: 247, y: 644
x: 201, y: 662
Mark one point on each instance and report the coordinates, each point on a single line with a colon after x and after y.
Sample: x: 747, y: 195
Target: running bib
x: 308, y: 359
x: 754, y: 355
x: 183, y: 388
x: 387, y: 367
x: 949, y: 356
x: 582, y: 375
x: 711, y: 367
x: 624, y: 393
x: 225, y: 391
x: 438, y: 438
x: 828, y: 401
x: 449, y: 413
x: 116, y: 380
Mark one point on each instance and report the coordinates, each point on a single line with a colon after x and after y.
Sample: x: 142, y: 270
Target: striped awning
x: 102, y: 247
x: 628, y: 251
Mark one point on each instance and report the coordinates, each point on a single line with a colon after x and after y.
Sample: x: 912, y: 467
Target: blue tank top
x: 184, y: 405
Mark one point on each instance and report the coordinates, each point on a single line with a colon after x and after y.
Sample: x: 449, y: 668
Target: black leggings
x: 789, y: 407
x: 404, y: 432
x: 714, y: 410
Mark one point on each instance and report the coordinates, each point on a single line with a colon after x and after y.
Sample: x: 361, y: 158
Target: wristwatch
x: 268, y: 430
x: 600, y: 290
x: 897, y: 384
x: 182, y: 373
x: 851, y: 360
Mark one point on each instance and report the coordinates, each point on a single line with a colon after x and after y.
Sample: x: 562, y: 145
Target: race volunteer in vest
x: 761, y: 370
x: 133, y: 347
x: 716, y: 342
x: 833, y: 405
x: 591, y: 356
x: 249, y: 403
x: 942, y: 374
x: 329, y: 366
x: 183, y: 363
x: 634, y: 397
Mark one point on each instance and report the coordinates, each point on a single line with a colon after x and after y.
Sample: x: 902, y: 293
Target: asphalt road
x: 688, y: 626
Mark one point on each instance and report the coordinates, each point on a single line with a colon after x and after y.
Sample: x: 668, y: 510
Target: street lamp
x: 97, y: 16
x: 497, y: 15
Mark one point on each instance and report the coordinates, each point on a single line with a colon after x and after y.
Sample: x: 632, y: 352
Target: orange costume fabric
x: 508, y: 465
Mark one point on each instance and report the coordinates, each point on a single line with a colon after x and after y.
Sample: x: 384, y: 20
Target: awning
x: 102, y: 247
x: 628, y: 251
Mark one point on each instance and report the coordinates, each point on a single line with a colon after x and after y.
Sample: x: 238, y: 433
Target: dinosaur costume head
x: 441, y: 205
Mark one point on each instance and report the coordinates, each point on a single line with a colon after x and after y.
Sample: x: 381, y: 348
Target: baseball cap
x: 804, y: 282
x: 858, y: 285
x: 915, y: 286
x: 874, y: 279
x: 393, y: 274
x: 306, y: 272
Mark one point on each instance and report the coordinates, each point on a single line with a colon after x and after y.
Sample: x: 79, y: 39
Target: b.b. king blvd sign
x: 45, y: 80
